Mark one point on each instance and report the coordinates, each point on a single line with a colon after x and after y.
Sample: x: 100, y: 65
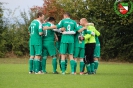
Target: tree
x: 116, y: 32
x: 53, y: 8
x: 2, y: 41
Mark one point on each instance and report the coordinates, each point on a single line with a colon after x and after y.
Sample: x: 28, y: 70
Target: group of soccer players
x: 77, y: 40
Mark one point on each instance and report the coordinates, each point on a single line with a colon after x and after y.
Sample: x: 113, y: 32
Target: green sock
x: 63, y: 66
x: 54, y: 63
x: 88, y: 67
x: 75, y: 66
x: 66, y: 64
x: 37, y: 65
x: 44, y: 64
x: 31, y: 65
x: 81, y: 66
x: 96, y: 64
x: 72, y: 63
x: 92, y: 67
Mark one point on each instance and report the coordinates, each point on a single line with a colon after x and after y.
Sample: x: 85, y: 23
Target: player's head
x: 83, y: 21
x: 40, y: 16
x: 51, y: 19
x: 66, y: 15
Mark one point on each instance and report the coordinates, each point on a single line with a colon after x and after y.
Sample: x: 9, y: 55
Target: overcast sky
x: 20, y: 5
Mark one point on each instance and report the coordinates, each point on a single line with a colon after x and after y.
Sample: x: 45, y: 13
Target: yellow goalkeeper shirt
x: 91, y: 38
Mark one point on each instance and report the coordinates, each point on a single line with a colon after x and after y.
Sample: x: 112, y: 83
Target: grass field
x: 14, y: 74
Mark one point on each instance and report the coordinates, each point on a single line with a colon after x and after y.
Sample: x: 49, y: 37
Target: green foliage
x: 116, y: 32
x: 15, y: 40
x: 15, y: 36
x: 2, y: 41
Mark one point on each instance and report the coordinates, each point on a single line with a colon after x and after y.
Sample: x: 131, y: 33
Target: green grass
x: 14, y: 74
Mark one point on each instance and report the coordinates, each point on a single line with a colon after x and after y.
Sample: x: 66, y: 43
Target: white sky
x: 20, y: 5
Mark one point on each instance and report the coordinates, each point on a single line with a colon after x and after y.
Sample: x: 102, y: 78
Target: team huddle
x: 76, y: 39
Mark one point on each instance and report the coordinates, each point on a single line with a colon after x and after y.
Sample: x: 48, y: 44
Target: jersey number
x: 68, y: 27
x: 32, y: 29
x: 45, y: 33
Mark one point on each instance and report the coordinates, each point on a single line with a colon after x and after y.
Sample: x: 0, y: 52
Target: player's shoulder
x: 37, y: 22
x: 34, y: 22
x: 74, y: 22
x: 91, y: 27
x: 67, y: 19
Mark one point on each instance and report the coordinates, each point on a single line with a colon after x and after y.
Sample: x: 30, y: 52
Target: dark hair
x: 39, y: 14
x: 51, y: 19
x: 68, y: 14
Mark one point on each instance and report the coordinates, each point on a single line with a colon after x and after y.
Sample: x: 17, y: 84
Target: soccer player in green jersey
x: 96, y: 53
x: 59, y: 34
x: 89, y: 46
x: 35, y: 31
x: 48, y: 46
x: 67, y: 40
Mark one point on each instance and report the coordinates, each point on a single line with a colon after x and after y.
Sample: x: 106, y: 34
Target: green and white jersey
x: 78, y: 43
x: 69, y: 25
x: 48, y: 34
x: 34, y: 29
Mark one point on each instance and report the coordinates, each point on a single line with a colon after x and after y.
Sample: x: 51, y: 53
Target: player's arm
x: 82, y: 29
x: 97, y: 33
x: 47, y: 28
x: 87, y: 36
x: 40, y: 32
x: 57, y: 30
x: 56, y: 38
x: 89, y: 32
x: 59, y: 25
x: 69, y: 32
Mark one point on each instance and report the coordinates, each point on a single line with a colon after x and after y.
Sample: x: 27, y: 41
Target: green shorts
x: 48, y: 48
x: 79, y: 52
x: 66, y: 48
x: 35, y: 50
x: 97, y: 51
